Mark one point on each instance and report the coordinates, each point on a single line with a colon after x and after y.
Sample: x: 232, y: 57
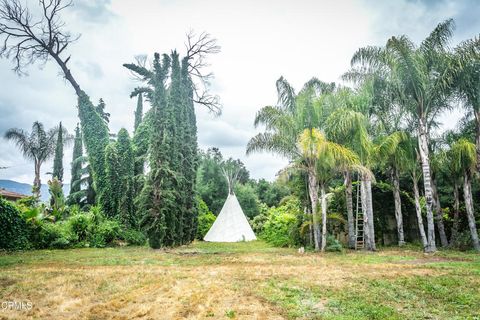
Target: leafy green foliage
x: 248, y: 199
x: 205, y: 219
x: 57, y: 199
x: 13, y: 229
x: 281, y: 227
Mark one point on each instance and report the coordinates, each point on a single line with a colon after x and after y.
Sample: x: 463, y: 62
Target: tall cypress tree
x: 75, y: 185
x: 112, y: 171
x: 138, y: 112
x: 175, y: 113
x: 126, y: 210
x: 58, y: 159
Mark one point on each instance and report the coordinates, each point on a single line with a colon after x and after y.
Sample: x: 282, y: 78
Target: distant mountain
x: 26, y: 189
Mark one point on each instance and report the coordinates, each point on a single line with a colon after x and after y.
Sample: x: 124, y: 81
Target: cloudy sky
x: 260, y: 40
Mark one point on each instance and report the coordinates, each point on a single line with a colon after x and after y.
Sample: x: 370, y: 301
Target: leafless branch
x: 198, y: 48
x: 26, y: 39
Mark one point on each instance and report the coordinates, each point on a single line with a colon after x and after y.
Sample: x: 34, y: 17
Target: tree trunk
x: 367, y: 208
x: 439, y: 214
x: 349, y: 202
x: 371, y: 225
x: 313, y: 192
x: 456, y: 215
x: 424, y: 157
x: 467, y: 190
x: 476, y: 112
x: 418, y: 209
x: 37, y: 184
x: 324, y: 217
x: 398, y: 206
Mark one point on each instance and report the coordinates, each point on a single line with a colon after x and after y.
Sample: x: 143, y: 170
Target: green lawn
x: 242, y: 281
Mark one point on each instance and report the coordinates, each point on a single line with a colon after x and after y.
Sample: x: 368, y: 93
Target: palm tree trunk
x: 476, y: 112
x: 313, y: 192
x: 418, y: 209
x: 367, y: 208
x: 398, y: 206
x: 363, y: 200
x: 424, y: 157
x: 371, y: 226
x: 324, y: 216
x: 349, y: 202
x: 37, y: 184
x: 456, y: 215
x: 467, y: 190
x: 439, y: 215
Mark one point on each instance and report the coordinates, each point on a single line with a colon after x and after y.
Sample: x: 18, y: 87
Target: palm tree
x: 341, y: 127
x: 283, y: 125
x: 424, y: 79
x: 453, y: 173
x: 38, y: 146
x: 325, y: 157
x: 467, y: 82
x: 391, y: 152
x: 349, y: 125
x: 465, y: 160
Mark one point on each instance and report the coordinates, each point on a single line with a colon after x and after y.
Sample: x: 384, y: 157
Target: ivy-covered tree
x: 158, y: 195
x: 126, y: 210
x: 39, y: 37
x: 112, y: 170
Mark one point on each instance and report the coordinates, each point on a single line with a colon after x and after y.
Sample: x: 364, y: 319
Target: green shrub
x: 108, y: 230
x: 333, y: 245
x: 205, y: 219
x: 13, y: 229
x: 80, y: 225
x: 56, y: 236
x: 281, y: 229
x: 259, y: 221
x: 134, y: 237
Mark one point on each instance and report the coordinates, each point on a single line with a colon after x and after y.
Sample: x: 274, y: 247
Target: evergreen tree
x: 158, y: 196
x: 100, y: 108
x: 75, y: 185
x: 174, y: 160
x: 140, y: 143
x: 126, y: 210
x: 112, y: 169
x: 190, y: 151
x: 58, y: 158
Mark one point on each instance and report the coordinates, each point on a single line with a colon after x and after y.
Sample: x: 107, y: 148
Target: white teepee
x: 231, y: 224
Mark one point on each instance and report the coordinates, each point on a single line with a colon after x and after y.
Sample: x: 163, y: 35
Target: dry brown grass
x: 180, y: 284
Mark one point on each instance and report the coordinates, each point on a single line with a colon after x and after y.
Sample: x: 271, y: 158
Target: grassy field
x: 240, y: 281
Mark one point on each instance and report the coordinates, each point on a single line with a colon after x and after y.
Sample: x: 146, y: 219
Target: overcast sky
x: 260, y: 40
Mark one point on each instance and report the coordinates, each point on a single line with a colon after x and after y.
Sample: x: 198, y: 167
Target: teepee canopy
x: 231, y: 224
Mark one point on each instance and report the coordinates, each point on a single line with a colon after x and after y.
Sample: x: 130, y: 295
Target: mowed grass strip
x: 241, y: 280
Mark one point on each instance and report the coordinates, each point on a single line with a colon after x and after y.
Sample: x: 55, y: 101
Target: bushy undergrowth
x: 281, y: 226
x: 26, y: 226
x: 13, y: 229
x: 205, y: 219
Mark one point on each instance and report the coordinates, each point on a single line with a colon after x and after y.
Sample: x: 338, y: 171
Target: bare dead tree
x: 198, y: 48
x: 26, y: 39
